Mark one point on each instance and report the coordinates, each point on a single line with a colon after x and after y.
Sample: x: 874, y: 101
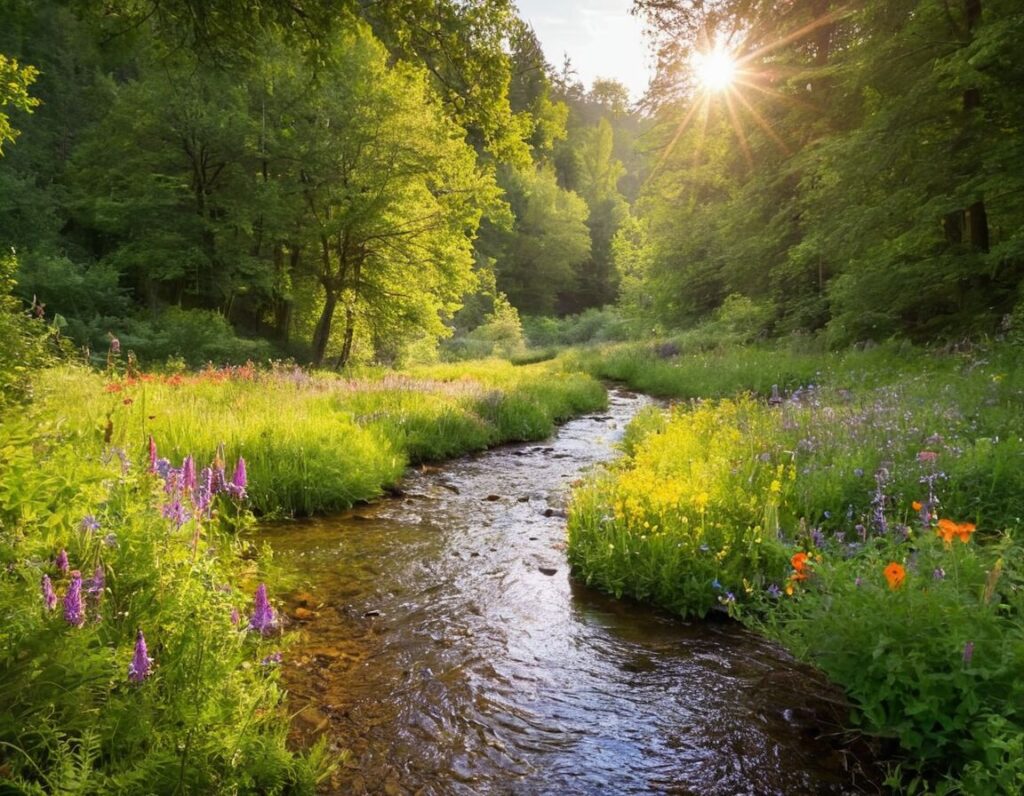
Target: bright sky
x: 600, y: 36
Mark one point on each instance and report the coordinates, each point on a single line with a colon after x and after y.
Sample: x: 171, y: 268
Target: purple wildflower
x: 97, y: 582
x: 89, y: 524
x: 188, y: 474
x: 239, y: 480
x: 110, y: 540
x: 968, y: 652
x: 162, y: 467
x: 49, y: 597
x: 271, y: 659
x: 858, y: 582
x: 235, y: 617
x: 62, y: 561
x: 859, y: 472
x: 218, y: 482
x: 74, y: 611
x: 152, y: 454
x: 204, y: 491
x: 774, y: 591
x: 263, y: 619
x: 175, y: 512
x: 817, y: 537
x: 139, y: 668
x: 939, y: 573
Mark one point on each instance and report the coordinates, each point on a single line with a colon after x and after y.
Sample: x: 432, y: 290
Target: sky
x: 600, y: 36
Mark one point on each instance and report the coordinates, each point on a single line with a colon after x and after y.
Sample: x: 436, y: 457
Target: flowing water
x: 444, y: 644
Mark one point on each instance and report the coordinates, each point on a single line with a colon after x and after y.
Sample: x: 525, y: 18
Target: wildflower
x: 858, y: 581
x: 97, y: 582
x: 239, y: 480
x: 115, y: 345
x: 49, y: 597
x: 188, y: 474
x: 728, y: 598
x: 175, y: 512
x: 927, y: 456
x: 774, y: 591
x: 272, y: 659
x: 947, y: 529
x: 62, y: 561
x: 140, y: 667
x: 162, y: 467
x: 74, y: 611
x: 716, y: 585
x: 262, y: 620
x: 968, y: 652
x: 859, y: 472
x: 89, y: 524
x: 204, y: 490
x: 799, y: 561
x: 235, y: 618
x: 152, y: 454
x: 939, y: 574
x: 894, y: 575
x: 916, y: 505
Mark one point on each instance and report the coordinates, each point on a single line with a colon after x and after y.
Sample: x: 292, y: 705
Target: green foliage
x: 712, y: 500
x: 837, y: 189
x: 24, y: 340
x: 14, y: 82
x: 590, y: 326
x: 196, y: 337
x: 209, y: 716
x: 499, y: 335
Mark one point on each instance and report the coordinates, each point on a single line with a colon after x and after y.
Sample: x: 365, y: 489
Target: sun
x: 715, y: 69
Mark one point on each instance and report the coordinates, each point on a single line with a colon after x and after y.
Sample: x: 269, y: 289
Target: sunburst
x: 722, y: 74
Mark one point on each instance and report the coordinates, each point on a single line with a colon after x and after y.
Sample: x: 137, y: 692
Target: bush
x: 196, y: 336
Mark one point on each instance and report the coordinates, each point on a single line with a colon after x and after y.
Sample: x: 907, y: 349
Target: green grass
x: 321, y: 443
x: 713, y: 498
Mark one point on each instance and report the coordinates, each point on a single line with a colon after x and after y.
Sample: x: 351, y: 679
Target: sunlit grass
x: 321, y: 443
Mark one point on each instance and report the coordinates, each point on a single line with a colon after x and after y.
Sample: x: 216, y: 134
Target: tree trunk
x: 322, y: 333
x: 350, y: 331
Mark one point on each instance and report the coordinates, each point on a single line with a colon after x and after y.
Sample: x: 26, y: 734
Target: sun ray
x: 675, y: 137
x: 825, y: 19
x: 738, y: 128
x: 788, y: 98
x: 763, y: 124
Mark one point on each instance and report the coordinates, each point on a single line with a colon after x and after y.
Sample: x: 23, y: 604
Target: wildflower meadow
x: 868, y: 520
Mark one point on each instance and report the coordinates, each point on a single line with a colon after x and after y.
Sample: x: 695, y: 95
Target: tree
x: 391, y: 196
x: 537, y: 259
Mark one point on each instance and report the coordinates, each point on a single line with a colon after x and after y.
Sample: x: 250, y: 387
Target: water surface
x: 444, y: 644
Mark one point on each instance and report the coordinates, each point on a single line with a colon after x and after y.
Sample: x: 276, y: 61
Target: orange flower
x: 799, y: 561
x: 894, y: 574
x: 948, y: 529
x: 916, y: 505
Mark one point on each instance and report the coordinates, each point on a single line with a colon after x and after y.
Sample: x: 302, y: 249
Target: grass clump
x: 870, y: 523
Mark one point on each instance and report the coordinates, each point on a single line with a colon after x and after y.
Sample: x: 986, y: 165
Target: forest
x: 746, y: 348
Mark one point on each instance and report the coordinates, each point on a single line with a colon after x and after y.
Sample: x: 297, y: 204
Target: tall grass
x: 319, y: 443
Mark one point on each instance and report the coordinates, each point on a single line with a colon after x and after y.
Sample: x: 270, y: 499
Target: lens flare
x: 715, y: 70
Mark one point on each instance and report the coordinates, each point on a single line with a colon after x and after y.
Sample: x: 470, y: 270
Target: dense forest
x: 222, y: 181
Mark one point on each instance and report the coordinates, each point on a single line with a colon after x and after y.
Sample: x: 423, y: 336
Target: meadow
x: 139, y: 643
x: 866, y: 516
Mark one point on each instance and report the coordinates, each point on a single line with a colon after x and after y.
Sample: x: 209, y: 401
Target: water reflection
x: 445, y: 646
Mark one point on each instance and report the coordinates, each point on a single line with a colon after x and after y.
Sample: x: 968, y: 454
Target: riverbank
x: 140, y: 647
x: 317, y: 443
x: 866, y: 518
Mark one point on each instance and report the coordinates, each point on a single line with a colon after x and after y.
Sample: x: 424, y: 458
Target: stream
x: 442, y: 642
